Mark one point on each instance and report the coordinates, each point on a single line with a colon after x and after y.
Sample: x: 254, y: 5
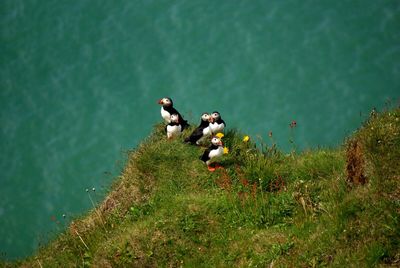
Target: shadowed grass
x: 263, y: 208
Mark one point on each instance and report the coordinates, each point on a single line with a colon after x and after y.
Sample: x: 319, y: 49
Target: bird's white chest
x: 174, y: 131
x: 215, y: 127
x: 207, y: 131
x: 216, y: 152
x: 165, y: 115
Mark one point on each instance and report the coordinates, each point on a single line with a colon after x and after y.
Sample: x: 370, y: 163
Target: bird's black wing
x: 222, y: 121
x: 205, y: 156
x: 195, y: 136
x: 182, y: 121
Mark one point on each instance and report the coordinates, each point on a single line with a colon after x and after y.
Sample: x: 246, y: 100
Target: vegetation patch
x: 324, y: 207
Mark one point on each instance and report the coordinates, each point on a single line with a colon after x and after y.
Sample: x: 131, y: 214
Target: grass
x: 265, y: 208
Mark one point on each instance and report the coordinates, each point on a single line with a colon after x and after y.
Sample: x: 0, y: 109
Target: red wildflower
x: 254, y: 190
x: 245, y: 182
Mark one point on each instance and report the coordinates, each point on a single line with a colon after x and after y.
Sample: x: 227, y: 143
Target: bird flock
x: 210, y: 126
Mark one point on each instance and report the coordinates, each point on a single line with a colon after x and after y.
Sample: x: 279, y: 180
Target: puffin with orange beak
x: 216, y: 123
x: 167, y: 110
x: 203, y: 130
x: 174, y: 128
x: 214, y: 151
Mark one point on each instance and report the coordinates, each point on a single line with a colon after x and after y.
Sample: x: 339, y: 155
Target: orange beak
x: 211, y: 120
x: 160, y: 101
x: 221, y: 143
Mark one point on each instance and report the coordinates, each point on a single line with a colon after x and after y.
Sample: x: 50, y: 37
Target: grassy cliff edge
x: 323, y: 207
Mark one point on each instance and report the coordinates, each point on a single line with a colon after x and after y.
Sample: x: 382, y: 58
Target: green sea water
x: 79, y: 82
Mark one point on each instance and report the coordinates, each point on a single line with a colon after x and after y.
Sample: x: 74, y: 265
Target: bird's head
x: 205, y: 117
x: 216, y: 141
x: 175, y: 118
x: 215, y: 116
x: 165, y: 102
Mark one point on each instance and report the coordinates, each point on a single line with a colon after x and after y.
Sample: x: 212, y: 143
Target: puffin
x: 215, y: 150
x: 216, y: 124
x: 203, y: 130
x: 174, y: 128
x: 167, y: 110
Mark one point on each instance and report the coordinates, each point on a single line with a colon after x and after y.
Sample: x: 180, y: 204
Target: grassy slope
x: 167, y: 209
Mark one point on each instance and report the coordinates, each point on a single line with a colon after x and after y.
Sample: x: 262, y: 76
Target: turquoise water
x: 79, y: 85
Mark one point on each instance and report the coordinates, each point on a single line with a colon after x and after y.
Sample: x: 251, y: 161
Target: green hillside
x: 324, y: 207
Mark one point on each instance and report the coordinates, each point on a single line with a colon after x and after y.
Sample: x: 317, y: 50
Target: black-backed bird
x: 216, y: 124
x: 167, y: 109
x: 174, y: 128
x: 203, y: 130
x: 214, y: 151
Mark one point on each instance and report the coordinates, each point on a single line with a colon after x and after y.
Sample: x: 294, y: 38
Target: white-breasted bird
x: 214, y: 151
x: 217, y: 124
x: 174, y: 128
x: 203, y: 130
x: 167, y: 110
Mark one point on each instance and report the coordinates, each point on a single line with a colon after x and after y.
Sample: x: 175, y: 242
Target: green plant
x: 263, y: 208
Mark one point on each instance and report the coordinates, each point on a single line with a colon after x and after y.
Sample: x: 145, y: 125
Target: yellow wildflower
x: 226, y: 150
x: 246, y: 138
x: 220, y: 135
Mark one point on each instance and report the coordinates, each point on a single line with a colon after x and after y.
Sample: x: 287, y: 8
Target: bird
x: 216, y: 124
x: 203, y: 130
x: 214, y: 151
x: 174, y: 128
x: 167, y: 110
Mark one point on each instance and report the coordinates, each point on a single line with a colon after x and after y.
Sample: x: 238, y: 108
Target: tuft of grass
x: 264, y: 208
